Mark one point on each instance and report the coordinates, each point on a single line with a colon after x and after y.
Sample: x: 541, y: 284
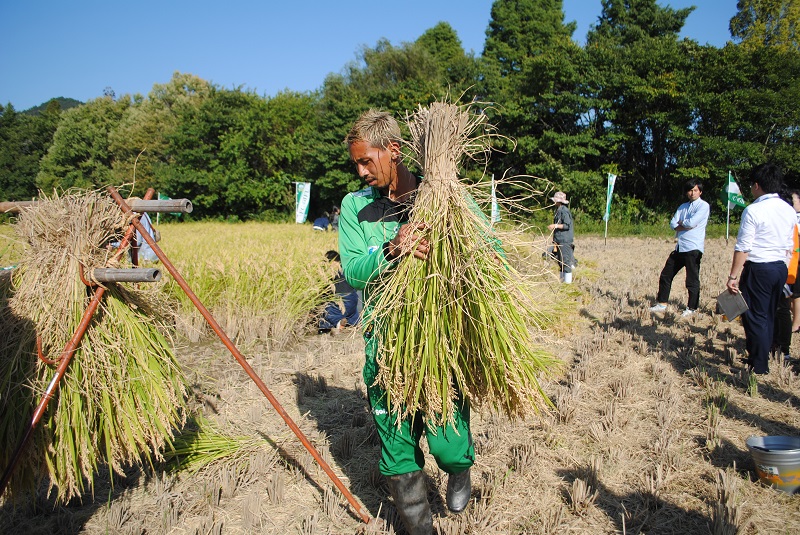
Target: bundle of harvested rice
x: 201, y: 444
x: 460, y: 321
x: 123, y: 392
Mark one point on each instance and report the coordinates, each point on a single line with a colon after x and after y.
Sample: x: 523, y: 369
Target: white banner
x: 302, y: 193
x: 495, y: 207
x: 612, y: 179
x: 733, y: 194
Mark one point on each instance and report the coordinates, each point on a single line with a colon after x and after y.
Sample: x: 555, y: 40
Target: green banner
x: 302, y: 191
x: 612, y: 179
x: 732, y: 194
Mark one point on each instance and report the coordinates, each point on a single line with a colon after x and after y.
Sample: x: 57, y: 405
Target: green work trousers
x: 451, y: 446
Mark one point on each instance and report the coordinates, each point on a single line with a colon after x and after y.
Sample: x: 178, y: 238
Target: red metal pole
x: 359, y: 509
x: 63, y: 362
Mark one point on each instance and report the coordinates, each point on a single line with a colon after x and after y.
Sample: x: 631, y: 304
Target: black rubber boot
x: 411, y: 501
x: 459, y: 489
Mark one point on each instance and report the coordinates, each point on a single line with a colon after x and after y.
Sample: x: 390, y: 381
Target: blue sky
x: 76, y: 49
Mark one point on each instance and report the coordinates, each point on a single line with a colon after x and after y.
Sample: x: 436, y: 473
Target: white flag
x: 733, y: 194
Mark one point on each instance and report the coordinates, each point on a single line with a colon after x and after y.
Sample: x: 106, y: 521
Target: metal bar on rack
x: 358, y: 508
x: 125, y: 274
x: 175, y: 206
x: 183, y: 206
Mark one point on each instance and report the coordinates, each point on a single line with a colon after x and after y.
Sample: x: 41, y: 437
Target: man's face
x: 796, y: 202
x: 693, y: 194
x: 374, y: 165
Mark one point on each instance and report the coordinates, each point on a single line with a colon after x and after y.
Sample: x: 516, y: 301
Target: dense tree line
x: 635, y: 100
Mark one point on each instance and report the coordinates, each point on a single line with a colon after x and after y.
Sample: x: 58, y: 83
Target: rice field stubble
x: 647, y: 435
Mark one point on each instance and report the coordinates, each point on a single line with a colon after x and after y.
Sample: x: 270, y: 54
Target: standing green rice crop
x: 460, y: 321
x: 123, y: 393
x: 259, y: 280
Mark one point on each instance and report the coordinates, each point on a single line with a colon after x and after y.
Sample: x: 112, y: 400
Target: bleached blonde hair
x: 378, y: 128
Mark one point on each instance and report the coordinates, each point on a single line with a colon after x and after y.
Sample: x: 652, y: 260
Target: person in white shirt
x: 760, y: 259
x: 689, y: 224
x: 140, y: 249
x: 145, y: 251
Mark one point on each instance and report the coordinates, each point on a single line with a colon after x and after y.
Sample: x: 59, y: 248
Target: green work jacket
x: 367, y: 222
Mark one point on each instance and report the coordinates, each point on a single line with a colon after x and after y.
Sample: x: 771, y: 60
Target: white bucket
x: 777, y: 461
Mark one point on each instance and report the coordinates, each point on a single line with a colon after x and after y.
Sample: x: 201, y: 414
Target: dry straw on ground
x: 645, y: 453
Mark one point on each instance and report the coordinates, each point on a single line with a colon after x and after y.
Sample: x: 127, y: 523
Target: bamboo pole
x: 125, y: 274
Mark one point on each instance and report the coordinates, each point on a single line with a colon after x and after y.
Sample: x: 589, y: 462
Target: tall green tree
x: 457, y: 70
x: 236, y: 154
x: 746, y: 95
x: 746, y: 110
x: 24, y: 140
x: 772, y: 23
x: 80, y: 155
x: 196, y: 168
x: 139, y: 142
x: 395, y: 78
x: 266, y: 153
x: 643, y: 110
x: 536, y: 76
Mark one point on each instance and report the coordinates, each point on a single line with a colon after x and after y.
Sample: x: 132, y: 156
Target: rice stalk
x: 202, y: 445
x: 123, y: 392
x: 459, y: 323
x: 17, y: 367
x: 262, y: 282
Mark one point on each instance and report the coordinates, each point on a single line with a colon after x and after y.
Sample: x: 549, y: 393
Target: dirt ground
x: 648, y: 434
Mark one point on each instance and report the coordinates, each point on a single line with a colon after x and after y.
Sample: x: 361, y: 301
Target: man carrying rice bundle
x: 373, y: 237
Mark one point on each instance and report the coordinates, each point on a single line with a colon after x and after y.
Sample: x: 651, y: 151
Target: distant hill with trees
x: 64, y: 103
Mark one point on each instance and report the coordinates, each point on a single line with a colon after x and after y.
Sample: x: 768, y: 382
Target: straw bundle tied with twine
x: 123, y: 392
x: 460, y: 321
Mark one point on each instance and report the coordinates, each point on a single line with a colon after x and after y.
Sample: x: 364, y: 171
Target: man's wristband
x: 732, y: 278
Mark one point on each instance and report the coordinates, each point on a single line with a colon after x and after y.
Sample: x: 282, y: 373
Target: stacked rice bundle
x: 122, y: 394
x: 460, y: 321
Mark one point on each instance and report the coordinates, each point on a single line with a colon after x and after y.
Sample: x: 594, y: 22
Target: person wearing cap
x: 689, y: 224
x: 563, y: 236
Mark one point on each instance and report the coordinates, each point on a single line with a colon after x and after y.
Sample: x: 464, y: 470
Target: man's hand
x: 737, y: 265
x: 733, y: 285
x: 408, y: 241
